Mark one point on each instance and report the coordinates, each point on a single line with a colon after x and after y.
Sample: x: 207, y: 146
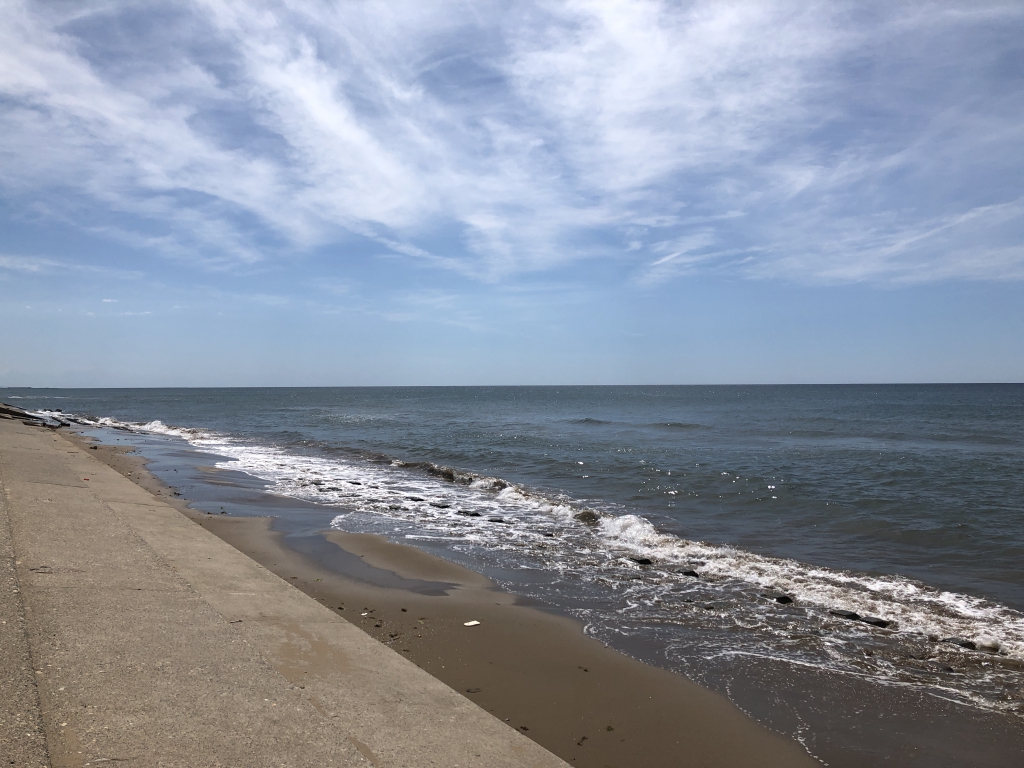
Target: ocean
x: 827, y: 556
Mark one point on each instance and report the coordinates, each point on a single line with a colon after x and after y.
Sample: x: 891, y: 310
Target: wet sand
x: 536, y: 670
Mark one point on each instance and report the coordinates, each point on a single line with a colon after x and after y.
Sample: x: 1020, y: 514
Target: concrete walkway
x: 132, y: 635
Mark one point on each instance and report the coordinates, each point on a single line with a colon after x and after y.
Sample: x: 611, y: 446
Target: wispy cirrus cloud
x: 38, y: 265
x: 820, y: 143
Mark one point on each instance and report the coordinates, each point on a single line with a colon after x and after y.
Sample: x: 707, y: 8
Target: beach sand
x: 535, y: 669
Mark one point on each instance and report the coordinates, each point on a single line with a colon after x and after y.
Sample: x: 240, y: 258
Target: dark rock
x: 783, y: 599
x: 642, y: 560
x: 19, y: 413
x: 588, y: 517
x: 414, y: 498
x: 694, y: 574
x: 875, y: 621
x: 464, y: 513
x: 851, y: 615
x: 962, y: 642
x: 353, y: 482
x: 497, y: 520
x: 440, y: 504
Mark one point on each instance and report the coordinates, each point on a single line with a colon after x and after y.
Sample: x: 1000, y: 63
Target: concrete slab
x: 67, y: 537
x: 27, y: 441
x: 165, y: 681
x: 22, y: 740
x: 40, y: 466
x: 238, y: 587
x: 106, y: 483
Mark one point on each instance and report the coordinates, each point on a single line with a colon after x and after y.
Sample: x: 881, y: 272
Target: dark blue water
x: 670, y: 519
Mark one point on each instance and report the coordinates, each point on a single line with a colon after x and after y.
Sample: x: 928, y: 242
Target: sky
x: 218, y: 193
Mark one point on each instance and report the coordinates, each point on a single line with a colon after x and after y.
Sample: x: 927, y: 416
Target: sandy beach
x: 529, y: 667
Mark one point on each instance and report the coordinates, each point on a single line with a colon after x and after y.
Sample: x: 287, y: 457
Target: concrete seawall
x: 132, y: 635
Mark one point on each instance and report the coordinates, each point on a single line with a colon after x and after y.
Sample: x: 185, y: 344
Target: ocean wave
x: 906, y: 605
x: 590, y: 421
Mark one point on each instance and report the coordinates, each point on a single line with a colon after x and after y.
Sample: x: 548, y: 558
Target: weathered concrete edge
x: 22, y: 737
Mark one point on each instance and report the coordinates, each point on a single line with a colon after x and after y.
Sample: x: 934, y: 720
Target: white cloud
x: 24, y: 264
x: 822, y: 142
x: 638, y: 92
x: 980, y: 244
x: 37, y: 265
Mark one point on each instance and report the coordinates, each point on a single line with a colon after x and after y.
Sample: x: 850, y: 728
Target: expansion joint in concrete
x: 21, y: 730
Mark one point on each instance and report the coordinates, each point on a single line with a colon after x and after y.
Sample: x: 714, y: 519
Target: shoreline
x: 530, y: 667
x: 143, y: 638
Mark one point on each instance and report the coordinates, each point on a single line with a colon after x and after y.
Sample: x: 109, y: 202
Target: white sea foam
x: 910, y: 605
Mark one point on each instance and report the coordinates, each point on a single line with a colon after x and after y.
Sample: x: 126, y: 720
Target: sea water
x: 745, y: 536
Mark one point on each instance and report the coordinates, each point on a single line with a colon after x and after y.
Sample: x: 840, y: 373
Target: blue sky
x: 249, y: 193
